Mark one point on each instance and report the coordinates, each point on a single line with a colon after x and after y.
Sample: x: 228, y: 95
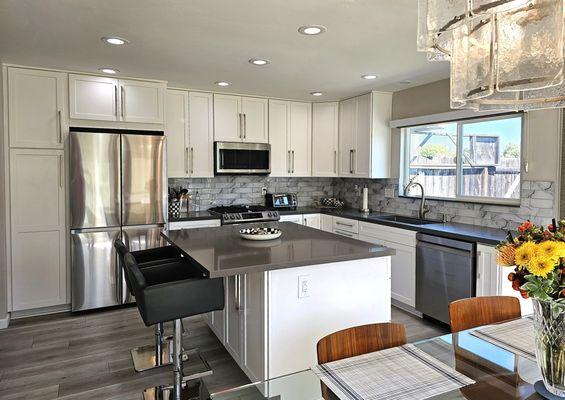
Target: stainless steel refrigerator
x: 118, y: 189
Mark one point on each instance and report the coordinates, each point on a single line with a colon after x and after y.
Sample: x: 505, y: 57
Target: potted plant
x: 538, y: 255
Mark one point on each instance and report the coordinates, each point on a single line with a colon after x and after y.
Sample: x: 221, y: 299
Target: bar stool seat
x: 171, y: 292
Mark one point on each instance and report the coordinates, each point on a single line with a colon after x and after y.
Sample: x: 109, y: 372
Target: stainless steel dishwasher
x: 445, y: 271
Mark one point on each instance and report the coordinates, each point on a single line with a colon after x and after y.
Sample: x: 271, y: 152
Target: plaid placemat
x: 516, y: 336
x: 404, y: 372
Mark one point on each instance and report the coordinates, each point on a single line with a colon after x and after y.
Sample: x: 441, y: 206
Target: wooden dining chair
x: 360, y: 340
x: 477, y: 311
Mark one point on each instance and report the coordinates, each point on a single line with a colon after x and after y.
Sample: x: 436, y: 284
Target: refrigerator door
x: 143, y: 179
x: 96, y: 275
x: 140, y: 238
x: 95, y: 179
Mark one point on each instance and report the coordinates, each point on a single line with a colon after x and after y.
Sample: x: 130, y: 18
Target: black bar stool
x: 170, y: 292
x: 156, y: 355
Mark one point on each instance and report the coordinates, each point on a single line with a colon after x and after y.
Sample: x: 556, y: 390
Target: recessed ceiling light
x: 316, y: 94
x: 115, y: 40
x: 259, y: 61
x: 369, y: 76
x: 405, y: 82
x: 312, y: 30
x: 222, y: 83
x: 108, y: 70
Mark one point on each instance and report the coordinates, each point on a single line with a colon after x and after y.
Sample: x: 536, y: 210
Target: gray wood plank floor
x: 86, y: 356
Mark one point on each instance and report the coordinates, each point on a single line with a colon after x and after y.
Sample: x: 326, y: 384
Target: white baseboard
x: 4, y: 322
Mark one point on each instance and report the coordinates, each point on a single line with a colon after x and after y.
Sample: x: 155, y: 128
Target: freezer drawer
x: 143, y: 179
x: 94, y: 179
x: 96, y: 275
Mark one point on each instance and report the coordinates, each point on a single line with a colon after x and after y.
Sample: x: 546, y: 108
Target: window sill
x: 472, y: 200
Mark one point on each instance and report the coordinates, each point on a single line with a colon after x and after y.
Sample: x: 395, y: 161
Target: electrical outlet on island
x: 303, y: 286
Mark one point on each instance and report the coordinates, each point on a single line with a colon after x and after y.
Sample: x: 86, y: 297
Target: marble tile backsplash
x: 538, y: 198
x: 538, y: 204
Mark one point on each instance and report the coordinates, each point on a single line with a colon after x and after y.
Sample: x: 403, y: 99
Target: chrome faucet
x: 424, y: 208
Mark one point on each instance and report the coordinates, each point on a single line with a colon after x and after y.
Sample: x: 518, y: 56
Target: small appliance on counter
x: 281, y: 201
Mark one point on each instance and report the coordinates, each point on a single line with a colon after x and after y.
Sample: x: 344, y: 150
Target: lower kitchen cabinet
x: 326, y: 222
x: 38, y: 233
x: 312, y: 220
x: 492, y: 278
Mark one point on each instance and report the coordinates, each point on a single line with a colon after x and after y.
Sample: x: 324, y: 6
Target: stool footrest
x: 191, y: 390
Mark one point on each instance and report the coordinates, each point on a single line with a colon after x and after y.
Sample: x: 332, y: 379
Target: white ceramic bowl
x: 260, y: 233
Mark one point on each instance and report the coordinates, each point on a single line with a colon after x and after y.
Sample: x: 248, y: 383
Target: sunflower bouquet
x: 538, y: 255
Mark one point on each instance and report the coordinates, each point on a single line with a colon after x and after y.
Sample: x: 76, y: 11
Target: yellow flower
x: 525, y: 253
x: 552, y: 250
x: 541, y: 266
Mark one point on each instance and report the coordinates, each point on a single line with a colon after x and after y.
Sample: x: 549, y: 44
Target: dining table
x: 497, y: 372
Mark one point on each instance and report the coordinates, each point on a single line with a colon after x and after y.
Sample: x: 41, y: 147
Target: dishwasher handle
x: 444, y: 249
x: 424, y: 238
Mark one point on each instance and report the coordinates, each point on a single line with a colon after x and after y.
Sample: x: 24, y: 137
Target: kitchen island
x: 282, y: 296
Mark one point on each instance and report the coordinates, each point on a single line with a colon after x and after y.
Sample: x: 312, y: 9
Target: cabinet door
x: 37, y: 104
x: 326, y: 222
x: 201, y: 135
x: 255, y: 120
x: 233, y: 316
x: 227, y: 118
x: 301, y: 138
x: 176, y: 131
x: 39, y: 262
x: 324, y: 139
x: 142, y: 101
x: 347, y: 112
x: 279, y: 135
x: 93, y: 97
x: 362, y: 152
x: 297, y: 219
x: 312, y: 220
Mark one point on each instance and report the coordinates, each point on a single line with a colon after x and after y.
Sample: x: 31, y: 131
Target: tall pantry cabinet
x: 37, y: 131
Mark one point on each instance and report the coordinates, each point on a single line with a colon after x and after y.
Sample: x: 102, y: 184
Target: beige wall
x: 543, y: 129
x: 3, y: 266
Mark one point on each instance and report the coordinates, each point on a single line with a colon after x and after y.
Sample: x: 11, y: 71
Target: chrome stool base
x: 145, y: 357
x: 192, y: 390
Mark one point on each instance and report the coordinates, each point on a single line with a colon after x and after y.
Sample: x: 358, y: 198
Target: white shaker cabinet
x: 189, y: 132
x: 109, y: 99
x: 326, y: 222
x: 324, y: 139
x: 240, y: 119
x: 37, y: 101
x: 39, y: 260
x: 364, y: 136
x: 290, y: 137
x: 312, y: 220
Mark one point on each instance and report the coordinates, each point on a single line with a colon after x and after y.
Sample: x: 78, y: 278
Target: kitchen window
x: 475, y: 160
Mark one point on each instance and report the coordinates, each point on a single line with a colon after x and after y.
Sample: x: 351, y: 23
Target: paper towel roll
x: 365, y: 199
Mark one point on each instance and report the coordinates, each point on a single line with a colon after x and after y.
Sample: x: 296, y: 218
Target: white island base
x: 273, y: 320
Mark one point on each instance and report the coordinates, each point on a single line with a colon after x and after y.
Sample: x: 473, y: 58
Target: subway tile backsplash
x: 538, y: 198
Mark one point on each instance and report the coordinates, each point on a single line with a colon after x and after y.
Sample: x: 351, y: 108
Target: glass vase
x: 549, y: 324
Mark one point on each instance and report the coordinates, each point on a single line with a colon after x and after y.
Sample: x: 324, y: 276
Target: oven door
x: 242, y: 158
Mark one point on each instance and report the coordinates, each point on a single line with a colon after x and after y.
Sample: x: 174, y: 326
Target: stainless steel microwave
x: 242, y: 158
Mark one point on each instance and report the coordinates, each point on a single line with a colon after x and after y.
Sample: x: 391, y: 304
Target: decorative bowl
x: 260, y: 233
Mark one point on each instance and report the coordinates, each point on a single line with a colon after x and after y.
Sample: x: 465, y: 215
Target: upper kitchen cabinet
x: 108, y: 99
x: 189, y: 131
x: 325, y: 138
x: 37, y: 103
x: 364, y: 136
x: 290, y: 136
x: 240, y: 119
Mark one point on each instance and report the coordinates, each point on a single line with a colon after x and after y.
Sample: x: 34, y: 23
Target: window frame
x: 459, y: 197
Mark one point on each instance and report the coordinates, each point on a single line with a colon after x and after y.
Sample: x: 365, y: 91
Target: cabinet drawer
x: 346, y: 234
x: 346, y: 225
x: 388, y: 233
x: 205, y: 223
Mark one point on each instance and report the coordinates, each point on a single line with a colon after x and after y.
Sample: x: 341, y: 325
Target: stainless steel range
x: 244, y: 214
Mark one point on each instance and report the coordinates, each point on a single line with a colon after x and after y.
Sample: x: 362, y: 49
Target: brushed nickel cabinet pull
x: 240, y: 133
x: 186, y: 161
x: 192, y: 160
x: 244, y: 126
x: 341, y: 223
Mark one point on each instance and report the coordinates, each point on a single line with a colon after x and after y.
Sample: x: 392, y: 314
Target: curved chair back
x: 476, y: 311
x: 360, y: 340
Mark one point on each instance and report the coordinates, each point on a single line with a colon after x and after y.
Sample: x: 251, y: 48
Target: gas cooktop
x: 244, y: 214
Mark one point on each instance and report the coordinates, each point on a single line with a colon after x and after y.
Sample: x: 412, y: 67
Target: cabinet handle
x: 123, y: 99
x: 240, y: 133
x: 244, y: 126
x: 342, y: 224
x: 293, y: 161
x: 116, y: 100
x: 354, y: 161
x: 60, y: 126
x: 61, y: 177
x: 288, y: 162
x: 186, y: 160
x: 192, y: 160
x: 350, y: 161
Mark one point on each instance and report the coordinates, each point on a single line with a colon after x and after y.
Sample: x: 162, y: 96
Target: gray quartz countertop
x: 220, y: 251
x: 452, y: 230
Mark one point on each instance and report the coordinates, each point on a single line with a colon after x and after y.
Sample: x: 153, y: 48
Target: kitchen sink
x: 407, y: 220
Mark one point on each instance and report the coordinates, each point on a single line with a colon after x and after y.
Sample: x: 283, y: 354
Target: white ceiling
x: 193, y: 43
